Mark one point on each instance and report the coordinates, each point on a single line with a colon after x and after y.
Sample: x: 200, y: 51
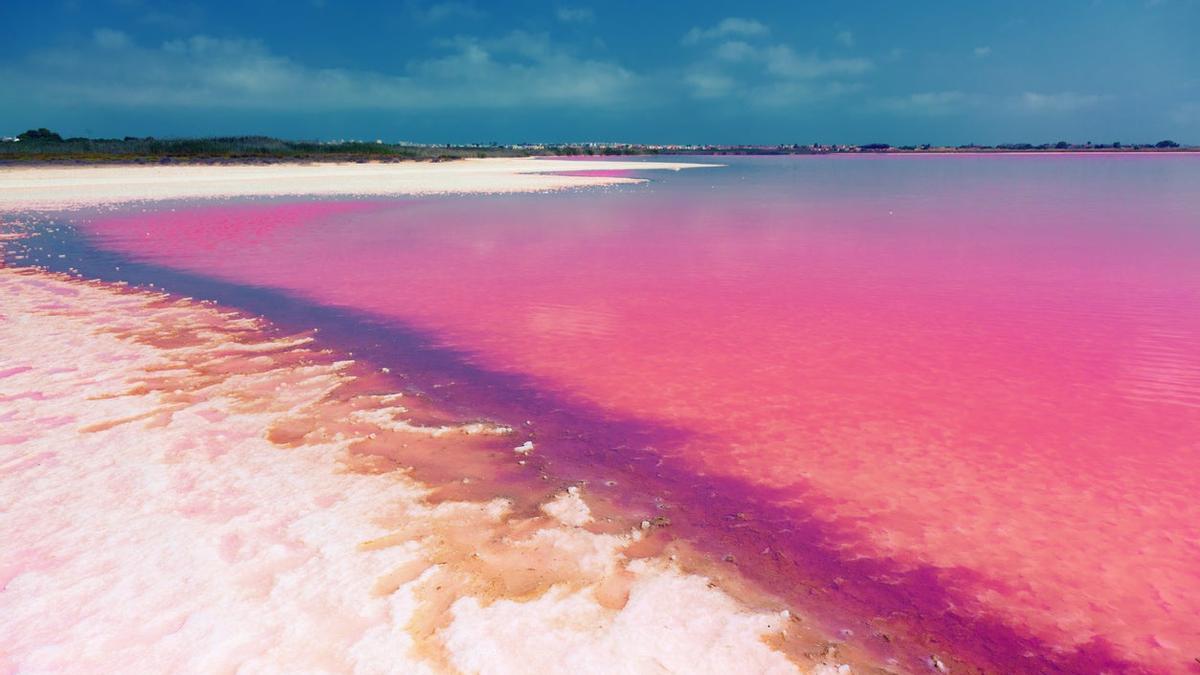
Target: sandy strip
x: 181, y: 492
x: 52, y: 187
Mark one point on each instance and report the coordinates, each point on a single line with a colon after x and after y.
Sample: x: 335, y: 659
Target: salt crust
x: 182, y: 540
x: 56, y: 187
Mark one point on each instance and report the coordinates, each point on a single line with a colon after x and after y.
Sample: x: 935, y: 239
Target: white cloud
x: 575, y: 14
x: 1059, y: 102
x: 845, y: 38
x: 932, y: 103
x: 106, y: 38
x: 732, y: 26
x: 772, y: 74
x: 735, y: 50
x: 981, y: 52
x: 522, y: 68
x: 936, y: 103
x: 783, y: 62
x: 515, y: 70
x: 753, y: 70
x: 786, y: 93
x: 710, y: 85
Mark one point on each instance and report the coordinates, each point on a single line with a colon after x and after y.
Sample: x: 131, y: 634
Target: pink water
x: 955, y: 394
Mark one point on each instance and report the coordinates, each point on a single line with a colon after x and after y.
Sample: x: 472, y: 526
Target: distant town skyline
x: 1099, y: 71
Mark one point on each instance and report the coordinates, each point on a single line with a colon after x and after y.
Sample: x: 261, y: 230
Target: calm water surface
x: 956, y: 393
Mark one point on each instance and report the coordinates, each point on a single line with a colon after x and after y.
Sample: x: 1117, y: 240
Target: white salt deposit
x: 568, y: 508
x: 153, y: 521
x: 59, y: 187
x: 670, y: 623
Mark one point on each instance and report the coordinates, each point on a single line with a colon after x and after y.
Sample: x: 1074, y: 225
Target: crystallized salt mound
x: 179, y: 495
x: 670, y: 623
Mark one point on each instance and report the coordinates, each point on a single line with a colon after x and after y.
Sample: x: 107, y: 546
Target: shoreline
x: 168, y: 160
x: 142, y: 470
x: 747, y: 577
x: 163, y: 390
x: 48, y: 187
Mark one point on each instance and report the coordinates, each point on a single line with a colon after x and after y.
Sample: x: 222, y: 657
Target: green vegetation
x: 42, y: 135
x: 44, y: 145
x: 41, y: 145
x: 1075, y: 147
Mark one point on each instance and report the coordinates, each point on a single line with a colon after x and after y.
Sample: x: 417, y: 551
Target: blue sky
x: 703, y: 71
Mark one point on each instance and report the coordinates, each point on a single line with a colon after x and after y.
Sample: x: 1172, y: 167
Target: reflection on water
x: 964, y: 390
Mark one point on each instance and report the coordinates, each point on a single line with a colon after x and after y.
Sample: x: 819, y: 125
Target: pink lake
x: 954, y: 397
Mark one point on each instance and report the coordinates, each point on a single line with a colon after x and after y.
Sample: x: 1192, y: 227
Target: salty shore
x: 191, y: 493
x: 56, y: 187
x: 192, y: 490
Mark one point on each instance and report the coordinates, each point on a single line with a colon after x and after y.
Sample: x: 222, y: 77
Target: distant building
x: 10, y: 139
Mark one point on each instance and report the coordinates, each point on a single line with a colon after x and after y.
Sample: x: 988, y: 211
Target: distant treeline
x: 819, y: 149
x: 44, y: 145
x: 1063, y: 145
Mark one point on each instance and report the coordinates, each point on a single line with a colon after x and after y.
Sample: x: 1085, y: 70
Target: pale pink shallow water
x: 980, y: 376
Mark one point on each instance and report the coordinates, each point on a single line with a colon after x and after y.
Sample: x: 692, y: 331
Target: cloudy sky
x: 702, y: 71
